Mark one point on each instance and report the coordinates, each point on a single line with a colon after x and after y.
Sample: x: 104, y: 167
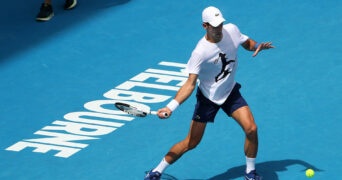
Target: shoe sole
x: 72, y: 5
x: 45, y: 19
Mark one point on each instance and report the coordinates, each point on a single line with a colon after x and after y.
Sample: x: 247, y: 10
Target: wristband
x: 172, y: 105
x: 256, y: 45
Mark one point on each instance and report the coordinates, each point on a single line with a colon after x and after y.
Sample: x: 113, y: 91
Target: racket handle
x: 164, y: 113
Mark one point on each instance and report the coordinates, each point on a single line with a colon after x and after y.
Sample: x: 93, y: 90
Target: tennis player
x: 214, y: 62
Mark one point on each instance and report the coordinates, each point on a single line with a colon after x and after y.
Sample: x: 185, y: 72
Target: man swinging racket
x: 214, y: 62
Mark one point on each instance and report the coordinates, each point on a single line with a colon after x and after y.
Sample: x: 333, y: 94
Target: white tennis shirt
x: 216, y: 64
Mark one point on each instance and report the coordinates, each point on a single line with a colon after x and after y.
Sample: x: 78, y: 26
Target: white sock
x: 161, y: 166
x: 250, y: 164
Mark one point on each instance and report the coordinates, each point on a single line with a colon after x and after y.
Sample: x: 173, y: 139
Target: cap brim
x: 217, y: 21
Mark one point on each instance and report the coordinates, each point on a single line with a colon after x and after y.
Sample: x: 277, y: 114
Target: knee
x: 251, y: 130
x: 191, y: 144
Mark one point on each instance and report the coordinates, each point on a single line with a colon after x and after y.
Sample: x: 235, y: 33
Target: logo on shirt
x: 226, y: 69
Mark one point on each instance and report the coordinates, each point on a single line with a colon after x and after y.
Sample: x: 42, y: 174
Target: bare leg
x: 245, y: 119
x: 191, y: 141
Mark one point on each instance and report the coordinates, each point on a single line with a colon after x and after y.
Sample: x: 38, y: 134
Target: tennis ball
x: 309, y: 173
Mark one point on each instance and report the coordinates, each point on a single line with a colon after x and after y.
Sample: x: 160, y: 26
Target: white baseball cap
x: 213, y: 16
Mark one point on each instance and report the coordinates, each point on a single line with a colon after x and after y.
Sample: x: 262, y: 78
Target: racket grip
x: 166, y: 114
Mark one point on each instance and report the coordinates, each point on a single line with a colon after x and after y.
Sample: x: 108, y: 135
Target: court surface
x: 59, y: 80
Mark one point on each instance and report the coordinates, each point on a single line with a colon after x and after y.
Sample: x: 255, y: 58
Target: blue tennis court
x: 59, y: 80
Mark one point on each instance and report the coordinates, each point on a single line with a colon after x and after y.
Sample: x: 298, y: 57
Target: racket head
x: 134, y: 109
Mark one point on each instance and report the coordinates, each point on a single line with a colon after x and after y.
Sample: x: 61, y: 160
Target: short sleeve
x: 242, y: 37
x: 193, y: 66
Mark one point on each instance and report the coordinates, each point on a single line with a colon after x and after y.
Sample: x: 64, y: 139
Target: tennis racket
x: 136, y: 109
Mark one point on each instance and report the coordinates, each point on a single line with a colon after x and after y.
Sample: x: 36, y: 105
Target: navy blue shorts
x: 206, y: 110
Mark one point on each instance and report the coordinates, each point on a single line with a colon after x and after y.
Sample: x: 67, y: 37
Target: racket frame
x: 142, y: 109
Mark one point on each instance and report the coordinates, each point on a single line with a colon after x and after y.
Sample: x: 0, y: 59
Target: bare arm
x: 183, y: 94
x: 186, y: 90
x: 252, y: 45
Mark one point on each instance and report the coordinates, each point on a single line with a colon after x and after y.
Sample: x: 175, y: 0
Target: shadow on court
x: 19, y: 31
x: 267, y: 169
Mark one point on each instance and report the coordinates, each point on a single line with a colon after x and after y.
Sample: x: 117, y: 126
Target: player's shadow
x: 267, y: 169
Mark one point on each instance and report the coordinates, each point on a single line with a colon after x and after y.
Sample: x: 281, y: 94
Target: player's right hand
x: 164, y: 113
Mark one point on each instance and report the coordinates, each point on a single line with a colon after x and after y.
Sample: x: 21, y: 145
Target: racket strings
x: 132, y: 110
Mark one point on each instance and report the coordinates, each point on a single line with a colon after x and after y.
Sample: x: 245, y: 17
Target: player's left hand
x: 262, y: 46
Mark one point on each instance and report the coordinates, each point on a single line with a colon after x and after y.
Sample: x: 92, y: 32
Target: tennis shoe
x: 45, y: 13
x: 252, y: 176
x: 70, y: 4
x: 153, y: 175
